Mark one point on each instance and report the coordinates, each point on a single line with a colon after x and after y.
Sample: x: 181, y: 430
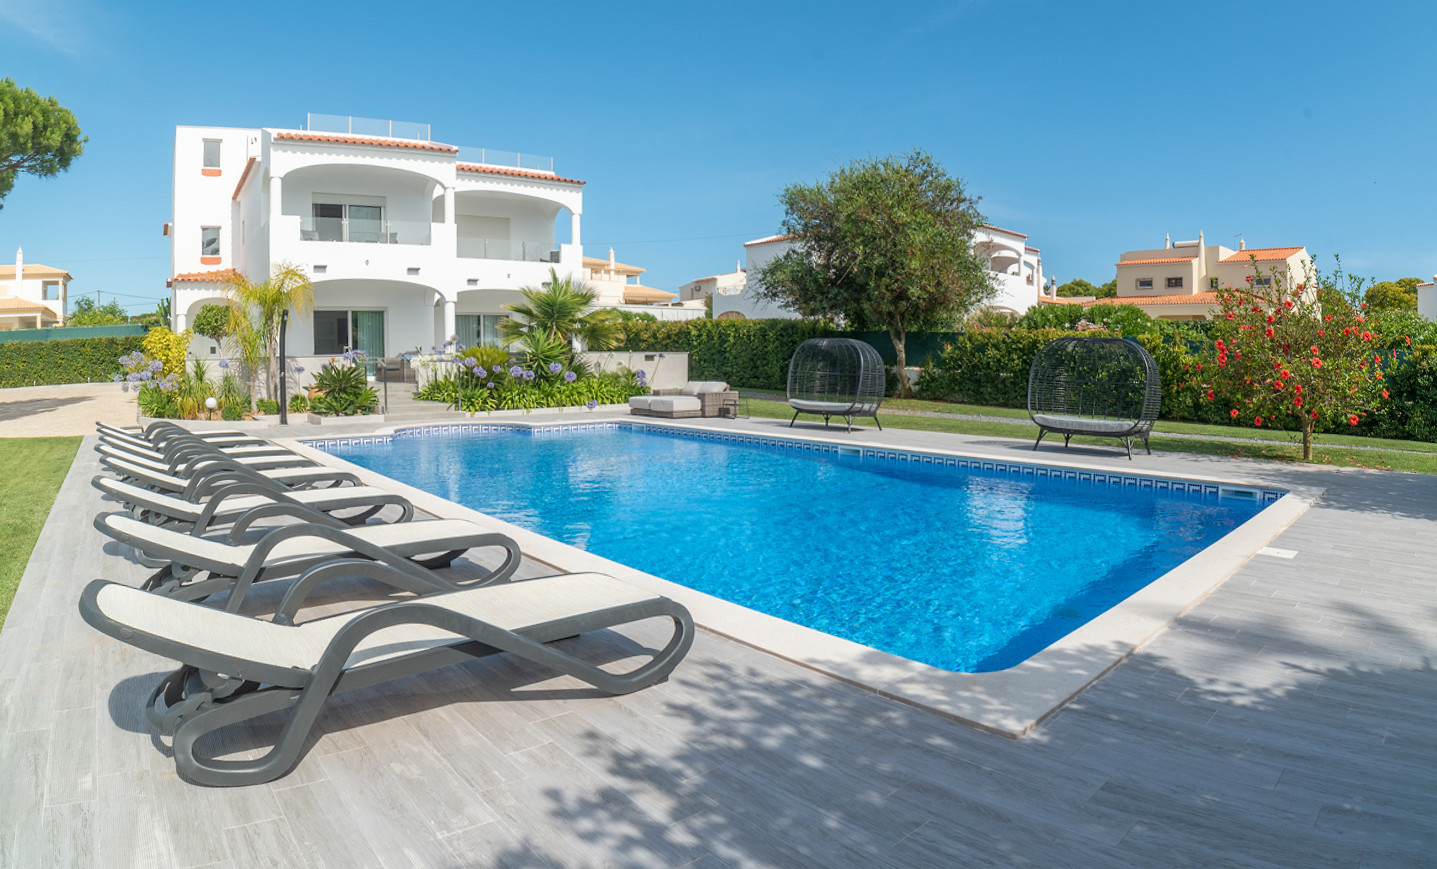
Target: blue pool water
x: 961, y: 569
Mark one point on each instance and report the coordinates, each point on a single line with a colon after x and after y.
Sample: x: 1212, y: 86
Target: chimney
x: 1167, y: 241
x: 1199, y: 238
x: 19, y: 267
x: 1241, y: 243
x: 611, y: 259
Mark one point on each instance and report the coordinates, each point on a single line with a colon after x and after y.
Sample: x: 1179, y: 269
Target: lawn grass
x: 1335, y: 450
x: 31, y: 470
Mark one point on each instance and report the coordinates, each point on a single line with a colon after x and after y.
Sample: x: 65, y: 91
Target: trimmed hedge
x: 747, y: 353
x: 78, y: 360
x: 989, y: 367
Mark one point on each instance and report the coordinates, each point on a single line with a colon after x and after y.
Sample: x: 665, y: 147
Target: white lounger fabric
x: 511, y: 606
x: 165, y: 480
x: 189, y: 511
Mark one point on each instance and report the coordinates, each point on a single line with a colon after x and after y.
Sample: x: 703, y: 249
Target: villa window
x: 1262, y: 282
x: 1175, y: 283
x: 1212, y: 283
x: 212, y: 157
x: 50, y: 291
x: 209, y: 241
x: 1145, y: 283
x: 342, y: 222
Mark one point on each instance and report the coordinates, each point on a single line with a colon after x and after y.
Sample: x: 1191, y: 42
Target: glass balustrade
x: 508, y: 249
x: 364, y: 229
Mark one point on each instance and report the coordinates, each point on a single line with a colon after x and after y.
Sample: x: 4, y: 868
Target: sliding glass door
x: 337, y: 332
x: 479, y: 329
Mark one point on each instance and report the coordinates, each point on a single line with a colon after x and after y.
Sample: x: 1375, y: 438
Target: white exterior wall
x: 417, y: 280
x: 1427, y: 300
x: 32, y: 288
x: 744, y: 302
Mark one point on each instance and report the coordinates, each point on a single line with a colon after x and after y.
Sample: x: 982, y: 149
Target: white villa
x: 727, y: 284
x: 1180, y: 280
x: 32, y: 296
x: 1015, y: 266
x: 1427, y: 299
x: 617, y: 284
x: 408, y: 241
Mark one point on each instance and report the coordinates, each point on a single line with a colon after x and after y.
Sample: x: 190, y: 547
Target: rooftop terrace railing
x: 366, y: 126
x: 354, y: 126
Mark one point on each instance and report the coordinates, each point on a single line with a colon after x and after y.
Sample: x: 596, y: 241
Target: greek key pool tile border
x: 1017, y: 469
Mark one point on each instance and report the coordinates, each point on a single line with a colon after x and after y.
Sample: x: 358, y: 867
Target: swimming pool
x: 970, y: 568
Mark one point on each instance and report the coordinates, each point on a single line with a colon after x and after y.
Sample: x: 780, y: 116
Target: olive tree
x: 881, y: 244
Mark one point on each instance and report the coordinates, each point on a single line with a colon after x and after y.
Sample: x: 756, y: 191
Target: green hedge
x: 989, y: 367
x: 748, y: 353
x: 79, y: 360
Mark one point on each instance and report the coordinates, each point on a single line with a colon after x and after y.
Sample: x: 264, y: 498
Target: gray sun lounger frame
x: 195, y: 699
x: 191, y: 576
x: 200, y: 516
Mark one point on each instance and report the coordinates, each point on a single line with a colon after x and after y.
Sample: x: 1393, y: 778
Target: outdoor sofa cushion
x: 673, y: 403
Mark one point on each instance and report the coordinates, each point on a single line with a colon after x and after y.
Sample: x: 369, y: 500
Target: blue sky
x: 1093, y: 127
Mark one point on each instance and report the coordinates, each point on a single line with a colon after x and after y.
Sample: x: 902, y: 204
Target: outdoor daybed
x: 835, y: 377
x: 1105, y: 387
x: 697, y: 398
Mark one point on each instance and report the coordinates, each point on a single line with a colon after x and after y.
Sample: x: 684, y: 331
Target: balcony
x: 506, y: 159
x: 353, y: 126
x: 506, y: 249
x: 364, y: 231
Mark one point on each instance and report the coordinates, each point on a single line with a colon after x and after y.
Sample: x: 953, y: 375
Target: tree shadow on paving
x: 17, y: 409
x: 1161, y: 760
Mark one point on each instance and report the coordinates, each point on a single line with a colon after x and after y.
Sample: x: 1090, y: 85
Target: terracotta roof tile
x: 218, y: 276
x: 16, y: 305
x: 1159, y: 259
x: 336, y: 139
x: 520, y: 173
x: 1004, y: 231
x: 635, y: 294
x: 34, y: 270
x: 593, y: 263
x: 244, y: 176
x: 1208, y: 299
x: 767, y: 239
x: 1033, y: 249
x: 1262, y: 254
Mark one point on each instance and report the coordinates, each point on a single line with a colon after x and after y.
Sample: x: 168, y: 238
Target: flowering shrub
x: 169, y: 348
x: 474, y: 387
x: 1295, y: 355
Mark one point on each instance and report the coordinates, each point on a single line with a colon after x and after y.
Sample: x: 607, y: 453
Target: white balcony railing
x: 366, y: 127
x: 345, y: 229
x: 506, y: 249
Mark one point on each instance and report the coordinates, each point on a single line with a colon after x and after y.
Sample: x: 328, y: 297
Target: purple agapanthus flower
x: 299, y: 369
x: 469, y: 362
x: 555, y: 368
x: 117, y: 378
x: 498, y: 369
x: 528, y: 375
x: 489, y: 384
x: 591, y: 404
x: 569, y: 376
x: 224, y: 363
x: 516, y: 371
x: 156, y: 365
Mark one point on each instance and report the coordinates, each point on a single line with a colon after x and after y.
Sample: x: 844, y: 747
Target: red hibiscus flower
x: 1234, y: 413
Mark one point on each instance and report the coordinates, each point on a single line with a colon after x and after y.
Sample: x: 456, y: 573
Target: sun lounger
x: 201, y: 566
x: 211, y: 474
x: 228, y: 503
x: 269, y: 667
x: 160, y: 431
x: 150, y: 450
x: 188, y: 458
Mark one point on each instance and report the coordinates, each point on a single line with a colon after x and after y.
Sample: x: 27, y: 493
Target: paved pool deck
x: 1285, y: 719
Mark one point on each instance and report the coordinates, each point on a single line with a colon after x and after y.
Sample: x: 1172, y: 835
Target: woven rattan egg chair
x: 835, y: 377
x: 1107, y: 387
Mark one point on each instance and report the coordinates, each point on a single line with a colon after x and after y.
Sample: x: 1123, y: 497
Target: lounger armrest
x: 674, y: 391
x: 202, y: 485
x: 231, y: 490
x: 278, y: 508
x: 710, y: 403
x: 406, y: 577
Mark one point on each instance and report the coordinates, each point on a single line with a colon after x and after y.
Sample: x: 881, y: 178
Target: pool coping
x: 1009, y: 702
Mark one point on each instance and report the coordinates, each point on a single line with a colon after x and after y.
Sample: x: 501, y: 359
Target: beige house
x: 726, y: 284
x: 32, y: 296
x: 1180, y: 280
x: 618, y: 284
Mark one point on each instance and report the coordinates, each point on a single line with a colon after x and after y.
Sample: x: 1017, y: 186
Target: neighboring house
x: 1427, y: 299
x: 32, y: 296
x: 408, y: 241
x: 1180, y: 280
x: 700, y: 289
x: 615, y: 284
x: 1016, y: 269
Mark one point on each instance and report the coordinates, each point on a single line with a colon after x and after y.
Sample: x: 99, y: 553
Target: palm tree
x: 255, y: 311
x: 556, y: 313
